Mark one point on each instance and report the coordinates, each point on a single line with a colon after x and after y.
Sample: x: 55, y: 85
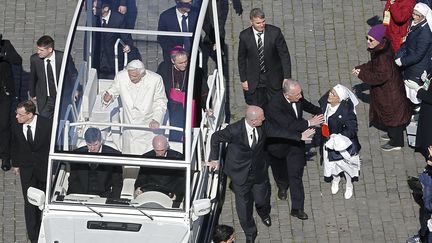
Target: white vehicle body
x: 150, y: 217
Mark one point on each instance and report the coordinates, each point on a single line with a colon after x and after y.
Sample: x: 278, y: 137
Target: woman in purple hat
x: 389, y: 109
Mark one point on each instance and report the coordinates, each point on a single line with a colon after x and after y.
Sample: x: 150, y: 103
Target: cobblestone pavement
x: 326, y: 39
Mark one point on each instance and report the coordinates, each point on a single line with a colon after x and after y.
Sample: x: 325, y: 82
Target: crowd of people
x: 272, y: 133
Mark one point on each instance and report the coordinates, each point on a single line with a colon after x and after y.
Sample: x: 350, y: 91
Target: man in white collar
x: 144, y: 101
x: 31, y: 137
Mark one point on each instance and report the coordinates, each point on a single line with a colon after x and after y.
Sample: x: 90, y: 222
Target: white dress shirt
x: 256, y: 36
x: 106, y: 18
x: 33, y: 127
x: 180, y: 18
x: 52, y: 59
x: 250, y: 130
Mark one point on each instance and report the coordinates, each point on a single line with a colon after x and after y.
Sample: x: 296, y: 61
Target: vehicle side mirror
x: 201, y: 207
x: 36, y: 197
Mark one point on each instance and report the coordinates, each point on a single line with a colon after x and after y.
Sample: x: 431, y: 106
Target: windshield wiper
x: 144, y: 213
x: 91, y: 209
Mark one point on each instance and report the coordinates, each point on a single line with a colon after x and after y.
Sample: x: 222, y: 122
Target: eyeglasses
x: 417, y: 15
x: 19, y: 114
x: 369, y: 39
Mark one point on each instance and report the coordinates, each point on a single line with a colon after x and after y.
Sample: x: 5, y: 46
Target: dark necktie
x: 261, y: 53
x: 50, y: 79
x: 104, y: 23
x: 254, y: 138
x: 185, y: 28
x: 29, y: 135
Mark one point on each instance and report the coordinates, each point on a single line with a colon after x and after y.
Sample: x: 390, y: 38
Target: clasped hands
x: 412, y: 85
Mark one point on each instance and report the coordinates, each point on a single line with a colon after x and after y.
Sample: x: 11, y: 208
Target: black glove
x: 6, y: 164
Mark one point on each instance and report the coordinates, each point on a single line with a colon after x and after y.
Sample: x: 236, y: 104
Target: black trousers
x: 5, y: 105
x: 32, y: 213
x: 245, y: 196
x: 396, y: 135
x: 289, y: 172
x: 48, y: 109
x: 262, y: 94
x: 279, y: 171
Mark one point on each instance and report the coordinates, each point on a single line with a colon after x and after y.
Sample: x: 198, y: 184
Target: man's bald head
x: 254, y: 116
x: 160, y: 145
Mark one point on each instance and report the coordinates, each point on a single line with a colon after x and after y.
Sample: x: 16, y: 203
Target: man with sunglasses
x: 30, y: 145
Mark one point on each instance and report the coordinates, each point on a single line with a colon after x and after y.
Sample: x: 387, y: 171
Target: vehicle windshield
x: 90, y: 183
x: 127, y: 75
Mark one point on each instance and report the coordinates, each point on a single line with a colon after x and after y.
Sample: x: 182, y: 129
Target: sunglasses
x: 369, y: 39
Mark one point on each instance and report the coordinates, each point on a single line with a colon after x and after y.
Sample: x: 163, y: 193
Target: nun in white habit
x: 340, y: 145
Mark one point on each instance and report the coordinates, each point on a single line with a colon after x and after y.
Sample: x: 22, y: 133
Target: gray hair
x: 136, y: 65
x: 256, y: 13
x: 288, y: 85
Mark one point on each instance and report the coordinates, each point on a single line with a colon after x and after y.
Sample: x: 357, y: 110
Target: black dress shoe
x: 282, y: 194
x: 299, y: 214
x: 266, y: 220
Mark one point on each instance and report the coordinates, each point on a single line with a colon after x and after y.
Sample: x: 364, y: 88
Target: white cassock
x: 142, y: 102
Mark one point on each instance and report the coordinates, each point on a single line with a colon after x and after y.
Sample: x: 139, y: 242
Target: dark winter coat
x: 344, y: 122
x: 388, y: 103
x: 416, y: 52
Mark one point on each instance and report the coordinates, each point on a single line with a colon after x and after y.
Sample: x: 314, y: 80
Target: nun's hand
x: 424, y: 76
x: 412, y: 85
x: 398, y: 62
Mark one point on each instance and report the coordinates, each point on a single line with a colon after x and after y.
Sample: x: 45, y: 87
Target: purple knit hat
x: 377, y: 32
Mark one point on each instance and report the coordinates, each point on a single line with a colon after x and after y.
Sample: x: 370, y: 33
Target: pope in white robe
x: 144, y: 102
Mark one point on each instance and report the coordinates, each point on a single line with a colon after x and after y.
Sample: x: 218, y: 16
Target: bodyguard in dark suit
x: 126, y: 7
x: 180, y: 18
x: 263, y: 60
x: 8, y: 57
x: 96, y: 179
x: 45, y: 67
x: 104, y: 42
x: 246, y: 165
x: 168, y: 181
x: 288, y: 158
x: 31, y: 137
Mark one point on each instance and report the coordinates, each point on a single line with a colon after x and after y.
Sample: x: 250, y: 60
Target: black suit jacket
x: 104, y: 180
x: 240, y: 157
x: 32, y: 159
x: 37, y: 81
x: 162, y: 179
x: 168, y: 22
x: 276, y: 58
x: 8, y: 57
x: 280, y: 113
x: 104, y: 44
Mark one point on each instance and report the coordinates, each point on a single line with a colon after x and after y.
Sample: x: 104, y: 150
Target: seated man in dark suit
x: 180, y: 18
x: 92, y: 178
x: 168, y: 181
